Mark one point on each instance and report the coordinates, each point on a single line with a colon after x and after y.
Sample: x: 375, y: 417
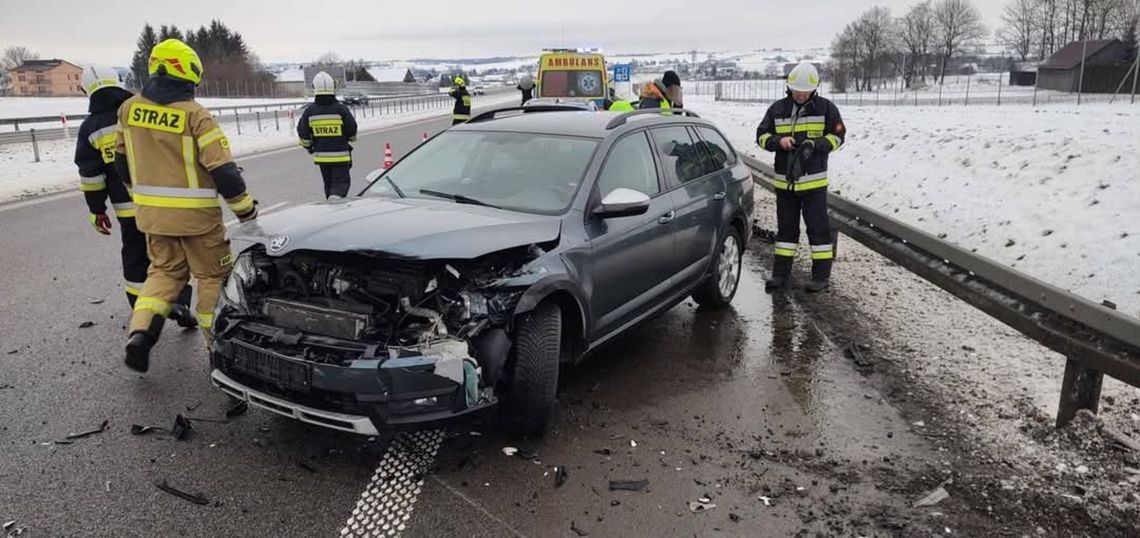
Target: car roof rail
x: 490, y: 114
x: 625, y: 116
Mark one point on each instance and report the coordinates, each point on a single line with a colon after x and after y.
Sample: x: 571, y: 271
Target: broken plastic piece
x: 767, y: 500
x: 307, y: 466
x: 86, y: 324
x: 9, y: 524
x: 632, y: 443
x: 698, y: 506
x: 935, y: 496
x: 561, y: 476
x: 628, y: 485
x: 603, y: 452
x: 196, y: 499
x: 510, y: 450
x: 102, y: 428
x: 181, y: 428
x: 237, y: 410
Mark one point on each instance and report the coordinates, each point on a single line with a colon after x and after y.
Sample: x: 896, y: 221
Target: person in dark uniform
x: 327, y: 129
x: 462, y: 111
x: 526, y: 86
x: 802, y: 129
x: 99, y: 182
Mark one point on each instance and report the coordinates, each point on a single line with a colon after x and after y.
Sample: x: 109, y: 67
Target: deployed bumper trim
x: 327, y: 419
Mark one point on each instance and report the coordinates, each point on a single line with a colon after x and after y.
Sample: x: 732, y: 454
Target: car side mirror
x: 623, y: 202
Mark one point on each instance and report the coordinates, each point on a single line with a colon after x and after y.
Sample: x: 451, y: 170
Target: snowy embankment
x: 22, y: 177
x: 1052, y: 191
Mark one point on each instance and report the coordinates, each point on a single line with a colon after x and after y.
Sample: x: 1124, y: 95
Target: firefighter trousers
x: 172, y: 261
x: 812, y: 205
x: 136, y: 262
x: 337, y: 179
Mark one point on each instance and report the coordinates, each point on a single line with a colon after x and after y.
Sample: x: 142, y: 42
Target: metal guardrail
x: 1095, y: 339
x: 376, y: 106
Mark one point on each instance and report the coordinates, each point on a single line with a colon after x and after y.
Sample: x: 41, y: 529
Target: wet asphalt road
x: 728, y: 405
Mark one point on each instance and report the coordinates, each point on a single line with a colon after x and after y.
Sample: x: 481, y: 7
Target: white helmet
x: 323, y: 84
x: 97, y: 77
x: 526, y: 82
x: 804, y: 78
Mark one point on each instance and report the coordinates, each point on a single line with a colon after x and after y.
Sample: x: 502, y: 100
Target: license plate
x: 268, y: 366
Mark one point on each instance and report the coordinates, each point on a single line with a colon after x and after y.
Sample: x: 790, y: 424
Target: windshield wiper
x: 392, y: 182
x: 457, y: 198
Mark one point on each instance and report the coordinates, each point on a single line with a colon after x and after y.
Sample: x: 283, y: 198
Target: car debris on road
x: 628, y: 485
x: 196, y: 499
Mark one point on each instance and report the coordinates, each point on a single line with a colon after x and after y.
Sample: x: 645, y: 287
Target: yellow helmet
x: 458, y: 81
x: 176, y: 59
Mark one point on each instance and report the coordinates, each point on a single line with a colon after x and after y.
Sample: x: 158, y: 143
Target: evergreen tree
x: 147, y: 40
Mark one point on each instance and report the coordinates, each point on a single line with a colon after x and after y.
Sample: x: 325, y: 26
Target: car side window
x: 722, y: 154
x: 679, y: 152
x: 630, y: 165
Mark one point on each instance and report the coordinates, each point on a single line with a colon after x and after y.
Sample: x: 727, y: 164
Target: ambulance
x: 572, y: 75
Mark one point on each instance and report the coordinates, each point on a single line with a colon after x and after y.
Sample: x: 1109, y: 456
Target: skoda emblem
x: 278, y: 243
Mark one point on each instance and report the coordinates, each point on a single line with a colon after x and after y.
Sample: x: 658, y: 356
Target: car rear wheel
x: 534, y: 380
x: 720, y: 287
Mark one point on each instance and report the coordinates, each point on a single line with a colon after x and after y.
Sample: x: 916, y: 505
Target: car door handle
x: 720, y: 195
x: 667, y: 218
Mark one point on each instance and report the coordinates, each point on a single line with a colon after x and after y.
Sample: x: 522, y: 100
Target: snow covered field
x: 1052, y: 191
x: 21, y: 177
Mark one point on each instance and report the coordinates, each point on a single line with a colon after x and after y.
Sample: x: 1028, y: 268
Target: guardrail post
x: 35, y: 145
x: 237, y: 118
x: 258, y: 121
x: 1080, y: 389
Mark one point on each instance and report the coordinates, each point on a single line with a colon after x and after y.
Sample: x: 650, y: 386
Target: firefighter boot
x: 820, y: 276
x: 139, y: 345
x: 781, y: 271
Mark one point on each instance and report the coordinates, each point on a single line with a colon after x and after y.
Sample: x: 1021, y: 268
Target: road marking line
x: 477, y: 506
x: 260, y: 212
x: 386, y: 504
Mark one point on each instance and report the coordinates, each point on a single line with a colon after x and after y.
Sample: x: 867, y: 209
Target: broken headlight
x: 241, y: 276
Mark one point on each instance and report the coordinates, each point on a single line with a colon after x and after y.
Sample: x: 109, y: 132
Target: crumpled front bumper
x: 406, y: 388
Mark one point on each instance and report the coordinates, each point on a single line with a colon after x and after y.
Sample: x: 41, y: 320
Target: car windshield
x: 525, y: 172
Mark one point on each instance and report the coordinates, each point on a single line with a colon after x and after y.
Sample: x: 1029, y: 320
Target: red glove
x: 101, y: 222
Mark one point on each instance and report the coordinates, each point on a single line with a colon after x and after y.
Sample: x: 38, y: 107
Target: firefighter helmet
x: 804, y: 78
x: 97, y: 77
x: 323, y: 84
x: 458, y: 81
x: 175, y: 58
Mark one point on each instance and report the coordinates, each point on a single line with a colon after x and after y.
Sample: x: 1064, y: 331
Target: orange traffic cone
x: 388, y: 162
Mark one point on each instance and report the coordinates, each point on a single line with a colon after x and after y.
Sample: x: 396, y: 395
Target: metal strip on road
x: 386, y: 505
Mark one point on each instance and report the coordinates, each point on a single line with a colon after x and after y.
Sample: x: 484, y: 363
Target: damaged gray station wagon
x: 465, y: 275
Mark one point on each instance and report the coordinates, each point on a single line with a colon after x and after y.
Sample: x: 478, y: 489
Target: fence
x: 237, y: 119
x: 964, y: 90
x: 1095, y: 339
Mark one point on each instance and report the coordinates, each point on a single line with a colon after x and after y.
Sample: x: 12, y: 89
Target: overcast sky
x: 300, y: 30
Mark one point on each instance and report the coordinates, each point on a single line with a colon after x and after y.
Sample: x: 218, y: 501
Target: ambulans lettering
x: 574, y: 62
x: 159, y: 118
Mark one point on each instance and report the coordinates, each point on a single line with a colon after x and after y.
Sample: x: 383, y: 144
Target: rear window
x: 519, y: 171
x: 571, y: 84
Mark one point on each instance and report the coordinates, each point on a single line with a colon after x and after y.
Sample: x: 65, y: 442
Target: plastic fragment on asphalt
x: 86, y: 324
x: 137, y: 429
x: 936, y: 496
x: 579, y: 532
x: 628, y: 485
x: 604, y: 452
x: 9, y: 524
x: 632, y: 443
x: 102, y: 428
x: 510, y: 451
x: 182, y: 427
x: 561, y: 476
x: 196, y: 499
x: 194, y: 406
x: 307, y: 466
x: 766, y: 500
x: 697, y: 506
x: 237, y: 410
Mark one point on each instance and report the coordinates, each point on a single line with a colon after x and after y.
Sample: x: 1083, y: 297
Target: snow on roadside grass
x: 22, y: 177
x: 1051, y: 191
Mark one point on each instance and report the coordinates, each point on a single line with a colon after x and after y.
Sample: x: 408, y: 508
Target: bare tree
x: 328, y: 58
x: 873, y: 30
x: 957, y: 22
x: 1019, y: 27
x: 16, y: 55
x: 915, y: 31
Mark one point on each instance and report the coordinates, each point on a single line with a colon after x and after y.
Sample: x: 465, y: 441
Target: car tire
x: 720, y: 287
x: 534, y: 380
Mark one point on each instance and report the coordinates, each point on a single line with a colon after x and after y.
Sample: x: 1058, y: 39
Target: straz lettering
x: 159, y: 118
x: 326, y: 130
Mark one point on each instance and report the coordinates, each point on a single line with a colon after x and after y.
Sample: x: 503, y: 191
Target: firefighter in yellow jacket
x: 179, y: 163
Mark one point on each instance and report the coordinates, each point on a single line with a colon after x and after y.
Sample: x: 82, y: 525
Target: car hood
x: 404, y: 227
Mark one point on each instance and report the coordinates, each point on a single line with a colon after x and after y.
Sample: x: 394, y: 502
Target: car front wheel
x: 718, y: 290
x: 534, y: 380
